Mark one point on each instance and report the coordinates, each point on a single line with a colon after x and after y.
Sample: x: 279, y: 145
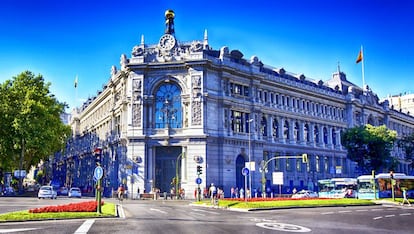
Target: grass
x: 284, y: 203
x: 108, y: 210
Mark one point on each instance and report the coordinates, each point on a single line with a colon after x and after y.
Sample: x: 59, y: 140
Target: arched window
x: 325, y: 135
x: 168, y: 110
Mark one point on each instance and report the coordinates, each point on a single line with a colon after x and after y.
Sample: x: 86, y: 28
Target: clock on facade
x: 167, y: 42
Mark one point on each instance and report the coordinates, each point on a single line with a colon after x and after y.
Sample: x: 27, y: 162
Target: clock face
x: 167, y: 42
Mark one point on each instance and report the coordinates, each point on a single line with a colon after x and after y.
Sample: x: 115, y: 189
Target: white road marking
x: 361, y: 210
x: 84, y: 228
x: 389, y: 216
x: 205, y: 211
x: 121, y: 212
x: 344, y: 211
x: 380, y: 217
x: 405, y: 214
x: 17, y: 230
x: 161, y: 211
x: 327, y: 213
x: 376, y: 209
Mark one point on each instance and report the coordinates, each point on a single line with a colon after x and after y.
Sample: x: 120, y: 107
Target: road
x: 147, y: 216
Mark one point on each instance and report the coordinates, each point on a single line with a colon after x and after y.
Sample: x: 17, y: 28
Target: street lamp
x: 250, y: 174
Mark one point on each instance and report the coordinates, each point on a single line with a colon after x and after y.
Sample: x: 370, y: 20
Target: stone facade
x: 173, y: 106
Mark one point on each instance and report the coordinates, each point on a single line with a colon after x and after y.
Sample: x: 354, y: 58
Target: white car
x: 305, y: 194
x: 75, y: 192
x: 47, y: 192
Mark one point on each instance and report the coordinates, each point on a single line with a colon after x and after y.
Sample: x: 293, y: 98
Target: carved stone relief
x: 136, y: 115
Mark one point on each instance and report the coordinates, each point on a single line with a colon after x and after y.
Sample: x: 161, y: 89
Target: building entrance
x: 165, y: 167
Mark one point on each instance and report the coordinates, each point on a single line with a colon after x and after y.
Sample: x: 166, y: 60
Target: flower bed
x: 89, y: 206
x: 260, y: 199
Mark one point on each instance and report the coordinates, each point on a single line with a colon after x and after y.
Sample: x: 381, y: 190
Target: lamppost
x: 250, y: 171
x: 177, y: 178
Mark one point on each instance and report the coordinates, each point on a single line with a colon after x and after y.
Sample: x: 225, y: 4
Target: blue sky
x: 68, y: 38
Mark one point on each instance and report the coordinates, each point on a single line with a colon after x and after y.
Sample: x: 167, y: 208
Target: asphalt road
x: 147, y: 216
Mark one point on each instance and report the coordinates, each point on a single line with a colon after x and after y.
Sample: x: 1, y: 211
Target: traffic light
x: 98, y: 155
x: 199, y: 170
x: 305, y: 158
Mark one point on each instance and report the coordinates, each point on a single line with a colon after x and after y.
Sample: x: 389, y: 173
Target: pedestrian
x: 405, y: 199
x: 241, y: 193
x: 213, y: 191
x: 120, y: 192
x: 138, y: 194
x: 232, y: 195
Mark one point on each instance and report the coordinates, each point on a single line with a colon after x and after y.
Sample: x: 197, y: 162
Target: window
x: 317, y: 163
x: 168, y: 111
x: 275, y: 128
x: 306, y: 133
x: 325, y: 136
x: 264, y: 126
x: 286, y: 130
x: 298, y: 165
x: 316, y: 134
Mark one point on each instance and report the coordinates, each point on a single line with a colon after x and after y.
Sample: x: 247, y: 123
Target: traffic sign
x: 98, y: 173
x: 245, y: 171
x: 198, y: 181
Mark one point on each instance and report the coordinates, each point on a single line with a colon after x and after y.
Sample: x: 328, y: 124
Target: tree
x: 30, y: 124
x: 370, y: 147
x: 406, y: 143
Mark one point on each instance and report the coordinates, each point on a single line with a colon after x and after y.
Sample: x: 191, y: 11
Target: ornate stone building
x: 173, y: 106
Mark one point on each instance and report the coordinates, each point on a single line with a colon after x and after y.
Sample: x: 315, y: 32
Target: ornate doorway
x: 165, y: 167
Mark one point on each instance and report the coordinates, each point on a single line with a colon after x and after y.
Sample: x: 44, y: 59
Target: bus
x: 337, y: 188
x: 383, y: 187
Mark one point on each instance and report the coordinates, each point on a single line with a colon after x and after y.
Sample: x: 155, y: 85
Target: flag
x: 360, y: 57
x: 76, y: 82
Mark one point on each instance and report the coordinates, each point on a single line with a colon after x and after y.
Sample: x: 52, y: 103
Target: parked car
x: 75, y: 192
x: 305, y: 194
x: 63, y: 191
x: 47, y: 192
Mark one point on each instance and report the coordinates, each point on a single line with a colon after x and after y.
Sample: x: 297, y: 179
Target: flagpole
x: 363, y: 72
x: 76, y: 91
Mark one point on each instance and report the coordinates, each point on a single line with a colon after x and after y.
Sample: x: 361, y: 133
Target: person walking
x: 213, y: 193
x: 405, y: 199
x: 121, y: 191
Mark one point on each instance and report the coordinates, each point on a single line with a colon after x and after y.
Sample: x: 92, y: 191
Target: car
x: 75, y: 192
x: 47, y: 192
x: 305, y: 194
x: 63, y: 191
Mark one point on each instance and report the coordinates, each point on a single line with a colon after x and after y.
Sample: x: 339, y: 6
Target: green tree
x: 30, y: 124
x: 406, y: 143
x: 370, y: 147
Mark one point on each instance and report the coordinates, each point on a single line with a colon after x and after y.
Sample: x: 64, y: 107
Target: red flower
x: 88, y: 206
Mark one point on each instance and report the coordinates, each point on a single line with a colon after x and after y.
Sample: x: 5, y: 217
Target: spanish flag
x: 360, y: 57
